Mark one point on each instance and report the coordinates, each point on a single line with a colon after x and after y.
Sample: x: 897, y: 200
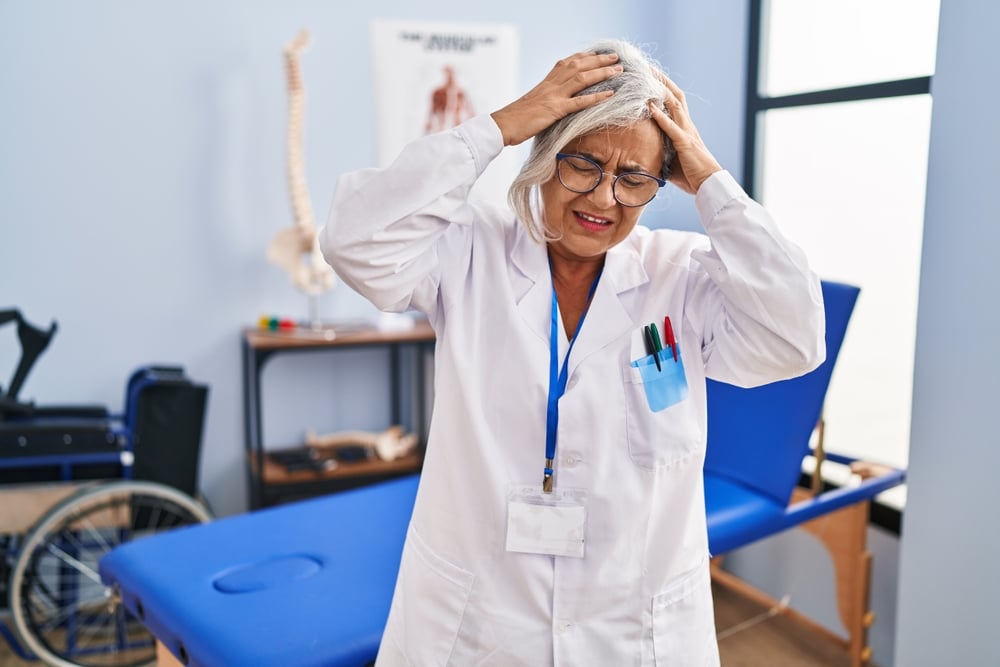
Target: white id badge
x: 551, y: 524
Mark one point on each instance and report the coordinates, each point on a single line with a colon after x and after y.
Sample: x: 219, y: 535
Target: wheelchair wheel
x: 60, y: 608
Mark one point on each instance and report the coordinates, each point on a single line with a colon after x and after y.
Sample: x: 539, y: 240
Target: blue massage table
x: 297, y: 585
x: 757, y: 441
x: 758, y: 438
x: 310, y: 583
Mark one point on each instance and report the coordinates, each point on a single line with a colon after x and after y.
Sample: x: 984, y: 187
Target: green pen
x: 647, y: 334
x: 657, y: 345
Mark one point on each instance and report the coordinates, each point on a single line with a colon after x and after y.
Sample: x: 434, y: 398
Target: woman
x: 560, y: 517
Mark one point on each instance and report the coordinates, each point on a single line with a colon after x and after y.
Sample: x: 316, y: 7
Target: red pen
x: 668, y: 333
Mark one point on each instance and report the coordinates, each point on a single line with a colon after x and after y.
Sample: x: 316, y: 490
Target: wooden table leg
x: 164, y: 658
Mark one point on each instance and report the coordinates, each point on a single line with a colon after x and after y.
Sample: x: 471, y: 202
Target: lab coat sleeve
x: 385, y: 226
x: 761, y: 305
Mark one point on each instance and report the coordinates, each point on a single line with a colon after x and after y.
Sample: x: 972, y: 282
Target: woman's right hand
x: 553, y: 98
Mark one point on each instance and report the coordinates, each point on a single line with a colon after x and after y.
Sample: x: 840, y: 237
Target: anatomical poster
x: 431, y: 76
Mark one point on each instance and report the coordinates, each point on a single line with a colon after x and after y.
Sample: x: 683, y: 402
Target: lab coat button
x: 563, y: 627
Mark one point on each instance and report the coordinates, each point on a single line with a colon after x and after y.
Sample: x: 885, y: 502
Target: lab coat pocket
x: 662, y: 426
x: 665, y: 384
x: 436, y: 593
x: 684, y: 623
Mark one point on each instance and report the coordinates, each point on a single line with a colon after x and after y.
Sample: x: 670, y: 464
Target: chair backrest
x: 165, y: 413
x: 758, y: 437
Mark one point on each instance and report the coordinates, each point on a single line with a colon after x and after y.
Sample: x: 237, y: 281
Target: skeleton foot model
x: 388, y: 445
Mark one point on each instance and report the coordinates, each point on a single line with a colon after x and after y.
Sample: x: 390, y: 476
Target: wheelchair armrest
x: 72, y: 411
x: 12, y: 408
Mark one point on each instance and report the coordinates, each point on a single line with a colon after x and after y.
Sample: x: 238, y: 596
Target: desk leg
x: 164, y: 658
x: 394, y: 385
x: 252, y: 429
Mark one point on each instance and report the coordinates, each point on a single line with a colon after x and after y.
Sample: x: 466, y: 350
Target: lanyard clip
x: 547, y: 477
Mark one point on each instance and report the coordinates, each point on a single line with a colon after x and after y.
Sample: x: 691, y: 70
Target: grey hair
x: 634, y: 87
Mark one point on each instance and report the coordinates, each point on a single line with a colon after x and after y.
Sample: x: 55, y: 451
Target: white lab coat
x: 746, y: 310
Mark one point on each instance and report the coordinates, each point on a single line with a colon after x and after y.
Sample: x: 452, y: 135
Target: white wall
x: 950, y: 548
x: 142, y: 175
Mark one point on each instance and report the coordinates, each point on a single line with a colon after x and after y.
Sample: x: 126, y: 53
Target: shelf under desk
x: 260, y: 345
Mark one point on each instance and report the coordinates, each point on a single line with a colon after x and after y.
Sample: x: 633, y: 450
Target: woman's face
x: 591, y: 223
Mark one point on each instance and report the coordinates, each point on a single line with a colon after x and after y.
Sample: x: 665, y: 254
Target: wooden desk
x: 268, y: 480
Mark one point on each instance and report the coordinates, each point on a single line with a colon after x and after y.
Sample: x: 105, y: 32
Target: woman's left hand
x: 694, y: 163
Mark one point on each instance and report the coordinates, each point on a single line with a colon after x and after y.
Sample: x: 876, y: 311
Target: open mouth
x: 592, y: 221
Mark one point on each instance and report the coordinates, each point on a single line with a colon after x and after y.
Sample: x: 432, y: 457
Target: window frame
x: 883, y: 515
x: 757, y: 103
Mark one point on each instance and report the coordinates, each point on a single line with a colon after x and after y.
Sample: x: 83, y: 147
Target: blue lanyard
x: 557, y: 380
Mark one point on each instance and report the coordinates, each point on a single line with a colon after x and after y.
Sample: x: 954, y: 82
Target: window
x: 838, y: 125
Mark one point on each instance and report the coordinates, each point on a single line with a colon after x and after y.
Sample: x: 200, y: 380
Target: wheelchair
x: 111, y: 479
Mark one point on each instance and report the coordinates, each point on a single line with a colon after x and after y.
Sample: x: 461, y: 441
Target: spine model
x: 296, y: 249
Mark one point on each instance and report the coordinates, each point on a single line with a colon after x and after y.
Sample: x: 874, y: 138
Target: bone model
x: 296, y: 249
x: 388, y: 445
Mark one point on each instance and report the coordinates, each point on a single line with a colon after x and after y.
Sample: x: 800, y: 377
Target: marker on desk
x: 668, y: 332
x: 275, y: 323
x: 651, y: 344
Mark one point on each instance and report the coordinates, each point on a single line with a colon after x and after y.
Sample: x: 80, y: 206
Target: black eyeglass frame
x: 600, y: 179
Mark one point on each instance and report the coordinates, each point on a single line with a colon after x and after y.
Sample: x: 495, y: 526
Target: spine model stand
x: 296, y: 249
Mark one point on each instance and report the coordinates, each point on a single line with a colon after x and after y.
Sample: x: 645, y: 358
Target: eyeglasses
x: 582, y: 175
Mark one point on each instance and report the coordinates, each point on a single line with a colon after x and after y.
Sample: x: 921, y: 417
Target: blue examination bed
x: 298, y: 585
x: 311, y: 583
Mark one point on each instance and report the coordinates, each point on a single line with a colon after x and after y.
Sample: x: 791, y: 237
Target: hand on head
x: 693, y: 163
x: 560, y: 94
x: 555, y: 96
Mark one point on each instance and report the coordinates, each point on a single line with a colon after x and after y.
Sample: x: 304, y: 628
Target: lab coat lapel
x: 608, y: 317
x: 531, y: 283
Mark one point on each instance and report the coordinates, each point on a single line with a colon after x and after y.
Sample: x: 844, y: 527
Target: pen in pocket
x: 668, y: 332
x: 647, y: 333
